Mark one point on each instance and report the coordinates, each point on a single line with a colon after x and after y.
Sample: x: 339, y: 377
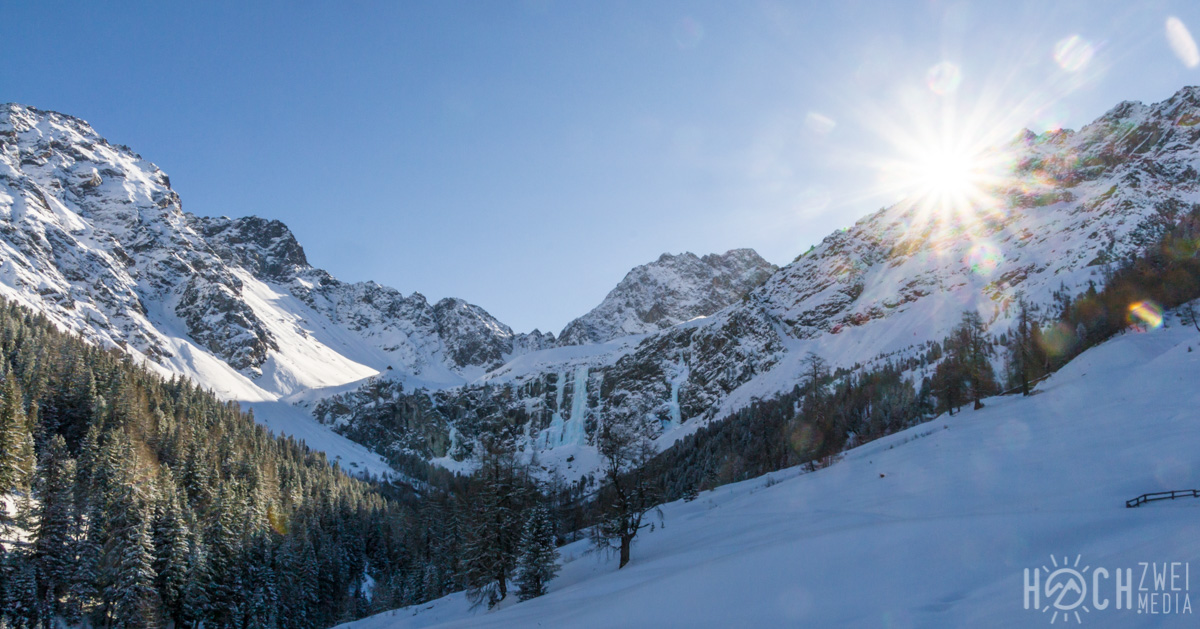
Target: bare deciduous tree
x: 630, y: 494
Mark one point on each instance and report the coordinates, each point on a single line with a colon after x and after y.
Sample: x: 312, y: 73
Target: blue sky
x: 525, y: 155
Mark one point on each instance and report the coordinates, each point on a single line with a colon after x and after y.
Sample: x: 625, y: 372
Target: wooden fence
x: 1162, y: 495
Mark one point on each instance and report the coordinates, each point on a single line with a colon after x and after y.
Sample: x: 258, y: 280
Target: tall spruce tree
x: 21, y: 595
x: 194, y: 603
x: 57, y: 533
x: 16, y: 445
x: 538, y: 560
x: 127, y: 562
x: 171, y: 548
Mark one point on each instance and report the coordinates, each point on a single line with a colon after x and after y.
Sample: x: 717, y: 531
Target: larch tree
x: 494, y: 525
x: 630, y: 493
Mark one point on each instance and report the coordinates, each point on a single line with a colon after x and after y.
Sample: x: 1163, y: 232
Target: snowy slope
x: 930, y: 527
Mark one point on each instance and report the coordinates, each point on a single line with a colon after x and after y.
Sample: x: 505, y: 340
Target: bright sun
x: 945, y: 181
x: 946, y: 174
x: 946, y: 162
x: 949, y: 177
x: 949, y: 184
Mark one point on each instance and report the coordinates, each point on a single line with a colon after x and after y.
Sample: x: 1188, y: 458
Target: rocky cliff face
x: 95, y: 237
x: 667, y: 292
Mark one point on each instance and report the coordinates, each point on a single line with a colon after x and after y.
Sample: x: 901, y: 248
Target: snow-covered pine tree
x: 3, y: 586
x: 127, y: 561
x: 225, y: 593
x: 89, y: 524
x: 194, y: 603
x: 261, y: 585
x: 171, y: 550
x: 20, y: 596
x: 16, y: 444
x: 54, y: 544
x: 298, y: 591
x: 538, y: 560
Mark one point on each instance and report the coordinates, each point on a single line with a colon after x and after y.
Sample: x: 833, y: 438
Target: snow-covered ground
x: 282, y: 418
x: 931, y: 527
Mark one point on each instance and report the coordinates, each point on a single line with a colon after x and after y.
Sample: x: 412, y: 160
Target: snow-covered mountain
x: 92, y: 235
x: 667, y: 292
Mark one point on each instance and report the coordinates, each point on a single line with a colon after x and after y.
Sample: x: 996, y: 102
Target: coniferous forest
x: 135, y: 501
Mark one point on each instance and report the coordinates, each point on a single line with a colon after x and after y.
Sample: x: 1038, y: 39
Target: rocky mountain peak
x: 672, y: 289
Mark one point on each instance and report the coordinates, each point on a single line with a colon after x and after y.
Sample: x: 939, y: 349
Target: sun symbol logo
x: 1066, y: 589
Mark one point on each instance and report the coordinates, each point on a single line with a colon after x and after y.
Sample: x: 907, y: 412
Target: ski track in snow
x: 929, y: 527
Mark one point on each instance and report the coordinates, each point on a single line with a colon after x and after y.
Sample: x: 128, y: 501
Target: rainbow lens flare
x: 1182, y: 43
x: 819, y: 124
x: 1073, y: 53
x: 1146, y: 313
x: 983, y: 258
x: 943, y: 78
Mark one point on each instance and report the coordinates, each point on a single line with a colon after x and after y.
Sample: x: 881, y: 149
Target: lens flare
x: 949, y: 185
x: 1146, y: 314
x: 819, y: 124
x: 1073, y: 53
x: 813, y: 200
x: 688, y: 33
x: 1182, y: 248
x: 952, y: 166
x: 983, y: 258
x: 943, y: 78
x: 1058, y: 339
x: 1182, y: 43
